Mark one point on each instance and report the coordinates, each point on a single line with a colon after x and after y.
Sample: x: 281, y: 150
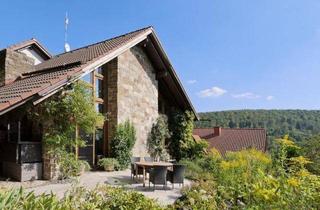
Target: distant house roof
x: 233, y: 139
x: 60, y: 70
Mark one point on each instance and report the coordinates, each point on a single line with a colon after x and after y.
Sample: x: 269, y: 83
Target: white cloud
x: 212, y: 92
x: 269, y: 98
x: 192, y: 81
x: 246, y: 95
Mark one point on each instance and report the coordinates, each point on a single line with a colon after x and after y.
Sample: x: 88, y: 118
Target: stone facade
x: 13, y: 64
x: 135, y: 95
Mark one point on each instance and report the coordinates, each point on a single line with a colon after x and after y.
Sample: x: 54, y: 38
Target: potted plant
x: 109, y: 164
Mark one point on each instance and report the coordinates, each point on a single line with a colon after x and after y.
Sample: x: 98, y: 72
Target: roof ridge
x: 106, y: 40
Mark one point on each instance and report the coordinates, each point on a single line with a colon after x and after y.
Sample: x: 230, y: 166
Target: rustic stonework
x: 137, y: 95
x: 13, y: 64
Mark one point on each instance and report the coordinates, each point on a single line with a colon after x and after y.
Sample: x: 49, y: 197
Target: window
x: 99, y: 141
x: 99, y: 88
x: 99, y: 108
x: 87, y: 78
x: 99, y: 71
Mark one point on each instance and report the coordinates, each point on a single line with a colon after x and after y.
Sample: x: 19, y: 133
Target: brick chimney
x: 217, y: 131
x: 12, y: 65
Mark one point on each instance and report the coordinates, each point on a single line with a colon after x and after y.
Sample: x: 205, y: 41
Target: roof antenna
x: 66, y: 23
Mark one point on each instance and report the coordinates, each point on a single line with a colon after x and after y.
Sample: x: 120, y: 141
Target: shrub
x: 249, y: 180
x: 202, y: 195
x: 107, y: 198
x: 70, y: 166
x: 182, y: 144
x: 109, y: 164
x: 157, y: 138
x: 122, y: 144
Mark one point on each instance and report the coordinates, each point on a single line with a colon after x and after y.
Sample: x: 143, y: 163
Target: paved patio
x: 91, y: 179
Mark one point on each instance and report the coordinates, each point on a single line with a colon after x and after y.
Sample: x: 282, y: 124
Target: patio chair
x: 158, y: 175
x: 135, y: 170
x: 176, y: 175
x: 148, y: 159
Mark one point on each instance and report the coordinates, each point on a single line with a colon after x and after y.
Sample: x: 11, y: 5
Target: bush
x: 122, y: 144
x: 70, y: 166
x: 181, y: 127
x: 109, y: 164
x: 249, y: 180
x: 202, y: 195
x: 157, y: 139
x: 107, y: 198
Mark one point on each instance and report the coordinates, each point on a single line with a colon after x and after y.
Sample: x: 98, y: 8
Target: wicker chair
x: 158, y: 175
x: 176, y: 175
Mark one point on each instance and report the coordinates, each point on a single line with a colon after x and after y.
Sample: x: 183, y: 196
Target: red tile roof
x: 90, y: 52
x: 231, y: 139
x: 58, y: 69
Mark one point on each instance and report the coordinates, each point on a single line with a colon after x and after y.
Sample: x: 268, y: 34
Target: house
x: 232, y: 139
x: 131, y: 77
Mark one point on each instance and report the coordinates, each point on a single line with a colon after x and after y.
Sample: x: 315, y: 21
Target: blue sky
x: 229, y: 54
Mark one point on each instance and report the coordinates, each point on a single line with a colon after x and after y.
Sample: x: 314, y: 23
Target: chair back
x: 158, y: 175
x: 178, y: 173
x: 148, y: 159
x: 135, y: 159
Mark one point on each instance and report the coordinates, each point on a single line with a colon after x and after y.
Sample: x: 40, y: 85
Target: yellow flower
x: 293, y: 182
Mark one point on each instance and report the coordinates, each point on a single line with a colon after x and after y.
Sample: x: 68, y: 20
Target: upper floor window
x: 99, y: 88
x: 87, y: 78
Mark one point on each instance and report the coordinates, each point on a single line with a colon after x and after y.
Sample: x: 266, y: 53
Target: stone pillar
x: 50, y: 166
x: 111, y: 101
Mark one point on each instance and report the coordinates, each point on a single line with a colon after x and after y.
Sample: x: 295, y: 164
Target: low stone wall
x: 22, y: 172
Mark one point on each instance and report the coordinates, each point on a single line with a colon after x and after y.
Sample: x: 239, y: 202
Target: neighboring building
x: 233, y: 139
x: 131, y: 76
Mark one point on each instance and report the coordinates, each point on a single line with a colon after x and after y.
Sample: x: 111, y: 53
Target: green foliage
x: 311, y: 150
x: 202, y: 195
x: 65, y: 112
x: 157, y: 138
x: 182, y: 144
x: 122, y: 144
x: 110, y: 163
x: 299, y: 124
x: 69, y: 165
x: 107, y: 198
x: 250, y: 180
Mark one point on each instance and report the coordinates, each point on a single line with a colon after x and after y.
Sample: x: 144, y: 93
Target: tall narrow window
x: 99, y: 88
x: 87, y: 78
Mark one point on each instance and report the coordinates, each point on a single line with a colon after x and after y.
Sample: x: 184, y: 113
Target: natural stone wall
x: 137, y: 95
x: 111, y: 99
x: 12, y: 65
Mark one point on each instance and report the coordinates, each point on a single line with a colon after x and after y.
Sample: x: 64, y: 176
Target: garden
x: 283, y: 178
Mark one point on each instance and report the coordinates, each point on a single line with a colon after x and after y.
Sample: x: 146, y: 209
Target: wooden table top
x: 143, y: 163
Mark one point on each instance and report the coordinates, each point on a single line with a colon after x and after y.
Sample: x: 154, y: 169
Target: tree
x: 311, y: 149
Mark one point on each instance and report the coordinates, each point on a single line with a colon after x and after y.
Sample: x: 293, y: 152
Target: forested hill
x: 299, y: 124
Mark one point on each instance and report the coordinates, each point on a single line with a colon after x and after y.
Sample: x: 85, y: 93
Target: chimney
x: 217, y: 131
x: 12, y: 65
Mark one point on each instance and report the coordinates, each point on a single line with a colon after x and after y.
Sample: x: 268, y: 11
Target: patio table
x: 145, y: 165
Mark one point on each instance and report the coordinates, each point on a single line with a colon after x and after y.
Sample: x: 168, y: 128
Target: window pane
x: 99, y: 108
x: 99, y: 88
x: 99, y: 70
x: 87, y: 78
x: 99, y: 142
